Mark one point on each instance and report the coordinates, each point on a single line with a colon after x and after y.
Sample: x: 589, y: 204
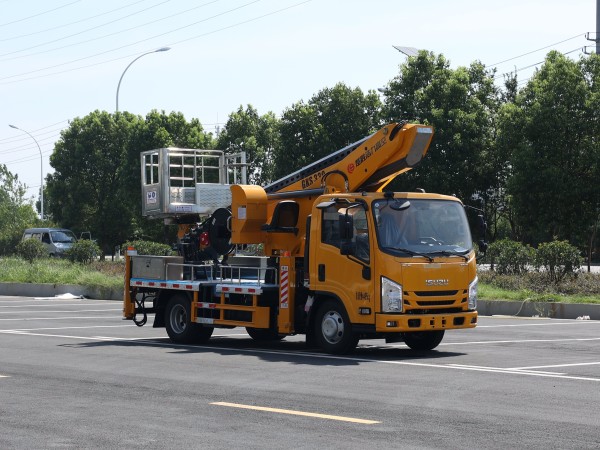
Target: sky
x: 62, y: 59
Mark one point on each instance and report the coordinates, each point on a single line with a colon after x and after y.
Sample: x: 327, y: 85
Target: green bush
x: 510, y: 257
x: 31, y: 249
x: 149, y: 248
x: 84, y: 251
x: 558, y: 259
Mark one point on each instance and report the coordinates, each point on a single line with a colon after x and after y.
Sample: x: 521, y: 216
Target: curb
x: 554, y: 310
x: 52, y: 290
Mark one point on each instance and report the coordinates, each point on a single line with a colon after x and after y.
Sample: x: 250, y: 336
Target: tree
x: 461, y: 104
x: 256, y: 135
x: 332, y: 119
x: 96, y: 185
x: 16, y: 214
x: 554, y: 127
x: 87, y: 190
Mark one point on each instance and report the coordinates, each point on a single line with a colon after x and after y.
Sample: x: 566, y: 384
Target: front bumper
x: 398, y: 323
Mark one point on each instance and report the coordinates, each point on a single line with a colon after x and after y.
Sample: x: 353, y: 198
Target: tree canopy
x: 330, y: 120
x: 527, y: 154
x: 96, y: 183
x: 552, y: 127
x: 16, y: 213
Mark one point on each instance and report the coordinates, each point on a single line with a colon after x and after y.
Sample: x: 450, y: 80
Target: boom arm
x: 366, y: 165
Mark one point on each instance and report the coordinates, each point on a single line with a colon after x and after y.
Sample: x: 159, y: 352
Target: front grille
x: 436, y: 303
x: 434, y: 311
x: 434, y: 300
x: 435, y: 293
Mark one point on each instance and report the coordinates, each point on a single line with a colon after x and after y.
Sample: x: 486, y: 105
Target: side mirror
x: 346, y: 222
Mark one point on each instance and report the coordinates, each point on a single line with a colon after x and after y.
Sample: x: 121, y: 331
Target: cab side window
x: 330, y: 233
x: 361, y: 235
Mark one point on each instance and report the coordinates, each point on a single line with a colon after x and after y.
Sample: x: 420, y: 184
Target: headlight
x: 391, y: 296
x: 473, y: 294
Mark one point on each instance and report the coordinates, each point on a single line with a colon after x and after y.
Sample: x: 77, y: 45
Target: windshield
x: 64, y: 237
x: 422, y: 227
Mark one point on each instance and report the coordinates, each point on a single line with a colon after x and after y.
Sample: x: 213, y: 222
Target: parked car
x: 56, y: 240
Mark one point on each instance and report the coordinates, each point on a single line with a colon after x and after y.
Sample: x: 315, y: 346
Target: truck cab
x: 396, y: 263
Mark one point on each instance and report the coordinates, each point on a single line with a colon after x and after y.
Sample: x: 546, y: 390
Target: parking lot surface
x: 73, y: 374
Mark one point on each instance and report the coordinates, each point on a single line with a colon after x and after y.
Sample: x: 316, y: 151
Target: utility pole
x: 597, y: 39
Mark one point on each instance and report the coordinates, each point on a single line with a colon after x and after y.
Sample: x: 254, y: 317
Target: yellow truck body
x: 342, y: 259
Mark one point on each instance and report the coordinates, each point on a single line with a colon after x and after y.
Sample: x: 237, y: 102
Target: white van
x: 56, y: 240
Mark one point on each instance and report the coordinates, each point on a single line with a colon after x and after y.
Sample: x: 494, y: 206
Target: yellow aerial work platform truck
x: 342, y: 258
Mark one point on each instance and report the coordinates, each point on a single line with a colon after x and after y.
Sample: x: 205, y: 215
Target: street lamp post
x: 41, y: 169
x: 163, y: 49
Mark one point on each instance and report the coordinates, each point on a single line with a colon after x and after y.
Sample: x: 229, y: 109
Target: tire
x: 178, y: 325
x: 423, y: 340
x: 333, y: 330
x: 263, y: 334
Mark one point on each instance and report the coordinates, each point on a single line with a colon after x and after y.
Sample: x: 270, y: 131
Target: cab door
x: 342, y: 268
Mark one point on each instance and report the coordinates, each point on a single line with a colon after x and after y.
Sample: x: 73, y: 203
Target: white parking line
x: 556, y: 365
x: 466, y: 366
x: 498, y: 370
x: 53, y: 304
x: 63, y: 318
x: 518, y: 341
x: 66, y: 328
x: 66, y: 311
x: 545, y: 324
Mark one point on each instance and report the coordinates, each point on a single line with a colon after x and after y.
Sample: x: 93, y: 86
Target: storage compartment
x: 157, y: 267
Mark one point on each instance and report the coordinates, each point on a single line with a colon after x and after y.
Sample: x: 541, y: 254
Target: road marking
x: 4, y: 376
x: 66, y: 311
x: 556, y: 365
x: 85, y: 338
x: 467, y: 366
x: 517, y: 341
x: 49, y: 306
x: 325, y: 356
x: 546, y: 324
x: 297, y: 413
x: 66, y: 328
x: 68, y: 317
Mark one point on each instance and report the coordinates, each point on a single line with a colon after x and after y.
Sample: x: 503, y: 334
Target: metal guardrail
x: 237, y: 274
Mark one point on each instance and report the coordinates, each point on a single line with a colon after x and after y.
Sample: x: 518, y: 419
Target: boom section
x: 366, y: 165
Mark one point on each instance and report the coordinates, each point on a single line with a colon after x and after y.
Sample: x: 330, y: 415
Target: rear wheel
x: 423, y: 340
x: 263, y: 334
x: 333, y: 330
x: 178, y: 325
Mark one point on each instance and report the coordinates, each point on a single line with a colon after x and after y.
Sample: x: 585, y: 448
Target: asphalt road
x: 74, y: 375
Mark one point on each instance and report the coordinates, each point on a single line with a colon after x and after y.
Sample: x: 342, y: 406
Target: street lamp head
x: 162, y: 49
x: 13, y: 126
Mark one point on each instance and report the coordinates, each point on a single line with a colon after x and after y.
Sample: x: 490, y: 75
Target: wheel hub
x: 178, y: 319
x: 333, y: 327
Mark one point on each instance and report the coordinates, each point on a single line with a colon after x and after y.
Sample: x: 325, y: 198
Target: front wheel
x: 423, y: 340
x: 333, y: 329
x: 178, y: 325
